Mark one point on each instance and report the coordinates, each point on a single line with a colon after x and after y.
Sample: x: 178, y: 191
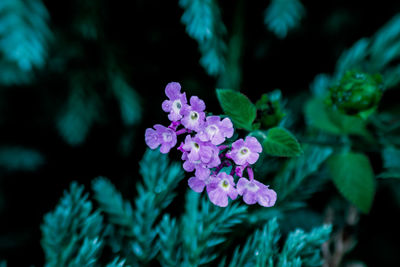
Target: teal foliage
x: 154, y: 195
x: 110, y: 202
x: 260, y: 248
x: 352, y: 58
x: 84, y: 105
x: 391, y: 162
x: 203, y: 226
x: 117, y: 263
x: 75, y: 234
x: 171, y: 250
x: 90, y: 64
x: 299, y: 249
x: 281, y: 16
x: 72, y: 232
x: 128, y: 99
x: 299, y: 169
x: 204, y: 24
x: 79, y: 114
x: 320, y: 85
x: 20, y: 159
x: 377, y: 54
x: 195, y: 239
x: 295, y: 183
x: 24, y: 40
x: 303, y: 248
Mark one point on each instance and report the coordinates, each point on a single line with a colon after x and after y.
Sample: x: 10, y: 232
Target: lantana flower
x: 204, y: 151
x: 193, y: 115
x: 216, y: 130
x: 245, y: 151
x: 255, y: 192
x: 160, y: 136
x: 221, y: 187
x: 176, y: 102
x: 199, y: 153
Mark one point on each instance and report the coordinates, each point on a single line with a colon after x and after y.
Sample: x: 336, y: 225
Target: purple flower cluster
x: 204, y: 152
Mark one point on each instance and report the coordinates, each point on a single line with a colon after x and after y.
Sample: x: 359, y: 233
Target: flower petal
x: 196, y: 184
x: 218, y: 197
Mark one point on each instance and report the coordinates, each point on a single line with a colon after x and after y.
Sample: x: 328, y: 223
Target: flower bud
x: 357, y: 92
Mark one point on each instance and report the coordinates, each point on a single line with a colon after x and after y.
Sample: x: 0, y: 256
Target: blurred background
x: 81, y: 80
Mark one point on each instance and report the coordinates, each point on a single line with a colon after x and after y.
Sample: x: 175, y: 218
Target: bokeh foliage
x: 81, y: 80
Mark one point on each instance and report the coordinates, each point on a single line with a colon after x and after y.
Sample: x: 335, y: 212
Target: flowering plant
x: 208, y: 151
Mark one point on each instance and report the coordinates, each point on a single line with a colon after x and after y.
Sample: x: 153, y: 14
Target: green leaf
x: 238, y: 107
x: 280, y: 142
x: 353, y: 176
x: 325, y: 118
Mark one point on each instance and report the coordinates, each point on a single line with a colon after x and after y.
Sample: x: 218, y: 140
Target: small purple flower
x: 193, y: 115
x: 221, y: 187
x: 197, y: 149
x: 253, y: 191
x: 200, y: 152
x: 245, y: 151
x: 200, y: 180
x: 216, y: 130
x: 161, y: 135
x: 176, y: 102
x: 214, y: 159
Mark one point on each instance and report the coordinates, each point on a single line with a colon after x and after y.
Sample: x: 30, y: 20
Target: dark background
x: 151, y: 46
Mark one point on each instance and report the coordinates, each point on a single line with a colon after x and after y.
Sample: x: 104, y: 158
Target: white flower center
x: 252, y: 187
x: 244, y: 151
x: 167, y: 137
x: 195, y: 146
x: 224, y: 184
x: 176, y: 106
x: 212, y: 130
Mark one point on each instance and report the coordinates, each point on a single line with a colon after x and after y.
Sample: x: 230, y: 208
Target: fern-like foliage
x: 297, y: 170
x: 79, y: 113
x: 201, y: 230
x: 71, y: 233
x: 20, y: 159
x: 204, y: 24
x: 171, y: 249
x: 260, y: 248
x: 304, y: 248
x: 379, y: 53
x: 75, y: 235
x: 154, y: 195
x: 294, y: 184
x: 281, y: 16
x: 24, y: 39
x: 119, y: 212
x: 300, y: 248
x: 204, y: 226
x: 117, y: 263
x: 128, y: 99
